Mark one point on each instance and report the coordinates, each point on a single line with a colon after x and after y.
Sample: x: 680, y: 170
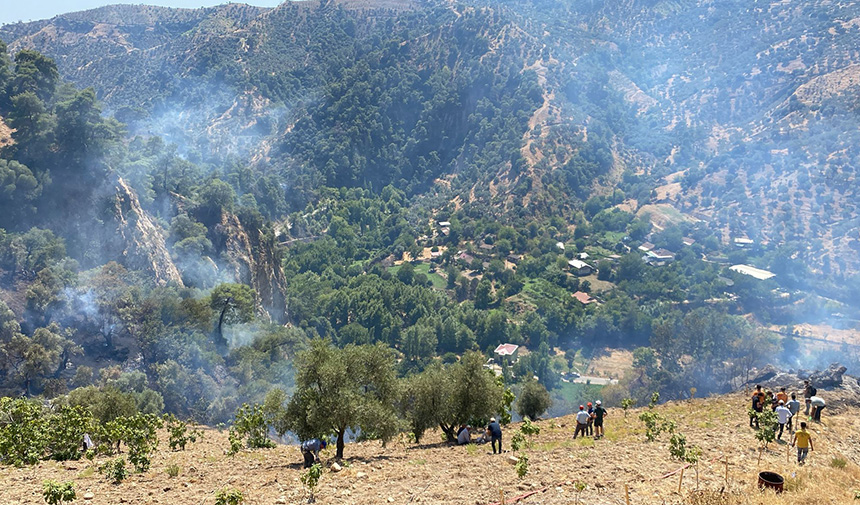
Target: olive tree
x: 337, y: 390
x: 534, y: 400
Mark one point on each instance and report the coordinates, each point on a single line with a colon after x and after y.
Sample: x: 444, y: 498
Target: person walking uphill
x: 495, y: 433
x: 311, y: 451
x: 599, y: 414
x: 803, y: 440
x: 808, y: 392
x: 783, y: 414
x: 582, y: 418
x: 794, y: 406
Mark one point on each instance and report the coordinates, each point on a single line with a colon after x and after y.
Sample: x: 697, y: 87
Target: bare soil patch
x: 436, y: 473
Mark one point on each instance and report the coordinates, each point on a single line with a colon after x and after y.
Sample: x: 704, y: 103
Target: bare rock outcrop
x: 251, y: 257
x: 139, y: 243
x: 831, y: 377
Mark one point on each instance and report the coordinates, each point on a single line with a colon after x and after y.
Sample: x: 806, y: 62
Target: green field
x: 424, y: 268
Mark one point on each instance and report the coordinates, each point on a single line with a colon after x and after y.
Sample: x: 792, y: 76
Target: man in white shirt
x: 817, y: 404
x: 783, y: 414
x: 582, y: 418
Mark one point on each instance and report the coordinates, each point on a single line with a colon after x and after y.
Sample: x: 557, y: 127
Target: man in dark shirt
x: 757, y: 405
x: 495, y: 434
x: 599, y: 414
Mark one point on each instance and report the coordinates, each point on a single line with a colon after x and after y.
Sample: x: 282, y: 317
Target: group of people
x: 590, y: 421
x: 492, y: 434
x: 787, y: 411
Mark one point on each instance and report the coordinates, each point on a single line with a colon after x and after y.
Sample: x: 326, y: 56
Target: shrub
x: 23, y: 432
x: 229, y: 496
x: 767, y: 427
x: 114, y: 470
x: 655, y: 424
x: 529, y: 428
x: 838, y: 462
x: 141, y: 436
x: 68, y: 427
x: 179, y: 433
x: 173, y: 470
x: 250, y: 425
x: 518, y: 441
x: 626, y: 404
x: 310, y: 478
x: 56, y: 493
x: 522, y: 465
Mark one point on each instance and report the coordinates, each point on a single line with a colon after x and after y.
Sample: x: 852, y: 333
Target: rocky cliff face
x: 251, y: 257
x: 139, y: 243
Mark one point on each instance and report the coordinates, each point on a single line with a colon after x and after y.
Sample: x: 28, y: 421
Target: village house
x: 646, y: 246
x: 580, y: 268
x: 659, y: 257
x: 507, y: 352
x: 583, y: 298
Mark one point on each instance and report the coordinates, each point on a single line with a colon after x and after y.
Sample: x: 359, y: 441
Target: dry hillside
x: 440, y: 474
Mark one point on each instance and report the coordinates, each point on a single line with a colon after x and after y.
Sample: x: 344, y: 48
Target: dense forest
x: 412, y: 191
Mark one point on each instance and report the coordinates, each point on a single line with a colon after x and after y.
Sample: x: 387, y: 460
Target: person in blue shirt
x: 311, y: 450
x: 495, y: 434
x: 794, y: 407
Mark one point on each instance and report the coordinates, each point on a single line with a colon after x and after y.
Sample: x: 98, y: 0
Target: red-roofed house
x: 507, y: 351
x: 583, y: 298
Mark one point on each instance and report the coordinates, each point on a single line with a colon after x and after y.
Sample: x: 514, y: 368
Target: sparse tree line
x: 340, y: 392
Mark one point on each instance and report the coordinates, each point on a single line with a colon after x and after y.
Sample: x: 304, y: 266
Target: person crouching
x: 311, y: 451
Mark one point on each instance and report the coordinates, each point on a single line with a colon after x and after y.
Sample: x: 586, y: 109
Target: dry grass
x: 439, y: 474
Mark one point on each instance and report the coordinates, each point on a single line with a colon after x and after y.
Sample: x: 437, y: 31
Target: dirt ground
x: 5, y: 134
x: 614, y: 364
x: 436, y: 473
x: 827, y: 332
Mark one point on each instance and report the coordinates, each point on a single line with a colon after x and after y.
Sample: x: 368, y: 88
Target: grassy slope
x: 438, y: 474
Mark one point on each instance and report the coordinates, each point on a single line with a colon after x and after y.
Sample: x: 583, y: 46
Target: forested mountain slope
x: 191, y: 197
x: 745, y: 106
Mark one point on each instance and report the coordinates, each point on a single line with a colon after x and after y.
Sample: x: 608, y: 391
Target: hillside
x: 440, y: 474
x: 745, y: 107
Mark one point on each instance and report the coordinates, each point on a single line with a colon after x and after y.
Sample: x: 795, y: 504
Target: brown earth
x: 440, y: 474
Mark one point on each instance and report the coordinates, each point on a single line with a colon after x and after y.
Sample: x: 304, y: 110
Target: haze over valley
x: 370, y: 220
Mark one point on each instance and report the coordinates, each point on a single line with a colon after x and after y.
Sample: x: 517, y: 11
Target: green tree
x: 534, y: 400
x: 342, y: 389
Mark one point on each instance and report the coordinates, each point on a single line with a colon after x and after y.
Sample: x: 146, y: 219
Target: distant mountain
x: 737, y: 114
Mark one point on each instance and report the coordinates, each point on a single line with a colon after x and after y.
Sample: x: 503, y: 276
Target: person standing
x: 808, y: 392
x: 803, y: 440
x: 582, y: 418
x: 311, y: 451
x: 590, y: 429
x: 599, y: 414
x: 794, y: 406
x: 818, y: 405
x: 783, y: 414
x: 495, y: 430
x: 757, y: 405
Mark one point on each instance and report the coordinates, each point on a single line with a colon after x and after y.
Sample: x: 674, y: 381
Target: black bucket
x: 770, y: 480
